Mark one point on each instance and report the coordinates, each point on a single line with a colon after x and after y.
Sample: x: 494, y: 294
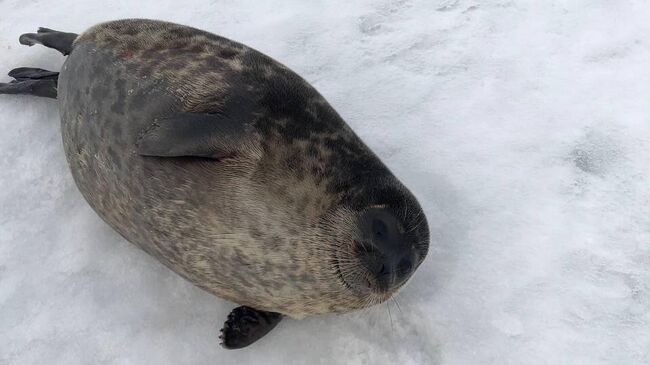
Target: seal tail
x: 31, y: 81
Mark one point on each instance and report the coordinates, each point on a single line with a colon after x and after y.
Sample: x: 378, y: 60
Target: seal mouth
x: 370, y: 295
x: 356, y: 287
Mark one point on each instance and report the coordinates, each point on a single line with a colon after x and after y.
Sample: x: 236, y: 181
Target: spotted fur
x: 273, y: 227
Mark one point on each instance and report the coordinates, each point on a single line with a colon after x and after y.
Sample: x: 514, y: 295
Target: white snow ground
x: 522, y: 126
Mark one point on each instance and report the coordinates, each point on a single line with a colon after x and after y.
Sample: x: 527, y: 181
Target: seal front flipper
x: 187, y: 134
x: 246, y: 325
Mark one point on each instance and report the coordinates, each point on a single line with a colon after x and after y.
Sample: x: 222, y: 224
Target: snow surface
x: 522, y: 126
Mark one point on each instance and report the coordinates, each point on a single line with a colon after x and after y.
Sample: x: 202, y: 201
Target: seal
x: 230, y: 169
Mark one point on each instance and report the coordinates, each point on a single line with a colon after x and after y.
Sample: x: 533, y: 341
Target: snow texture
x: 522, y: 126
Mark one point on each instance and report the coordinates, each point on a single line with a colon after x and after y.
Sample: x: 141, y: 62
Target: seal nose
x: 388, y: 271
x: 389, y: 258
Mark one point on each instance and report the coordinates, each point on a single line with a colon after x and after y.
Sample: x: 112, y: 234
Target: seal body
x: 271, y: 225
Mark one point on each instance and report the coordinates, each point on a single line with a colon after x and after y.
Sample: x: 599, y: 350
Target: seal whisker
x: 392, y: 327
x: 394, y: 298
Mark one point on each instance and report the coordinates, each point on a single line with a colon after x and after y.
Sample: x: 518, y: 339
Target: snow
x: 522, y: 126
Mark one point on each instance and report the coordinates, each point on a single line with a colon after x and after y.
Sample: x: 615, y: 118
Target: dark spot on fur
x: 196, y: 48
x: 312, y: 151
x: 255, y: 233
x: 280, y: 190
x: 117, y: 130
x: 176, y: 64
x: 295, y: 282
x: 227, y: 53
x: 303, y: 203
x: 275, y: 242
x: 99, y: 92
x: 294, y: 161
x: 115, y: 158
x: 127, y: 54
x: 214, y: 63
x: 118, y: 105
x: 306, y: 279
x: 176, y: 44
x: 318, y: 172
x: 267, y: 265
x: 129, y: 31
x: 181, y: 32
x: 149, y: 53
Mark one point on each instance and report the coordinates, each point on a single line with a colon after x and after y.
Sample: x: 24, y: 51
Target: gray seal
x: 229, y: 169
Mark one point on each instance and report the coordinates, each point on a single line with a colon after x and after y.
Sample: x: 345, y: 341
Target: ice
x: 522, y: 127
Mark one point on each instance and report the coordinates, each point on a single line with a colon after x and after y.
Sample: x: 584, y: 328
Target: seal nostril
x: 383, y: 276
x: 380, y: 228
x: 404, y: 268
x: 383, y: 270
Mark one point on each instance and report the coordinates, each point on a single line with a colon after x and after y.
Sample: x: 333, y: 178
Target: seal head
x: 387, y: 242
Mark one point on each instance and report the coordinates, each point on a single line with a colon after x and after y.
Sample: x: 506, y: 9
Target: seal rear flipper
x: 31, y: 81
x: 60, y: 41
x: 187, y: 134
x: 45, y: 88
x: 246, y: 325
x: 31, y: 73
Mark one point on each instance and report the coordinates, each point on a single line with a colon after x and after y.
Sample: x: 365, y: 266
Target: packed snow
x: 523, y: 127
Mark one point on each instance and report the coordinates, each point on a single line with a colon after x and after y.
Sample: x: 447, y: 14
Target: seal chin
x: 360, y: 281
x: 340, y: 276
x: 352, y: 279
